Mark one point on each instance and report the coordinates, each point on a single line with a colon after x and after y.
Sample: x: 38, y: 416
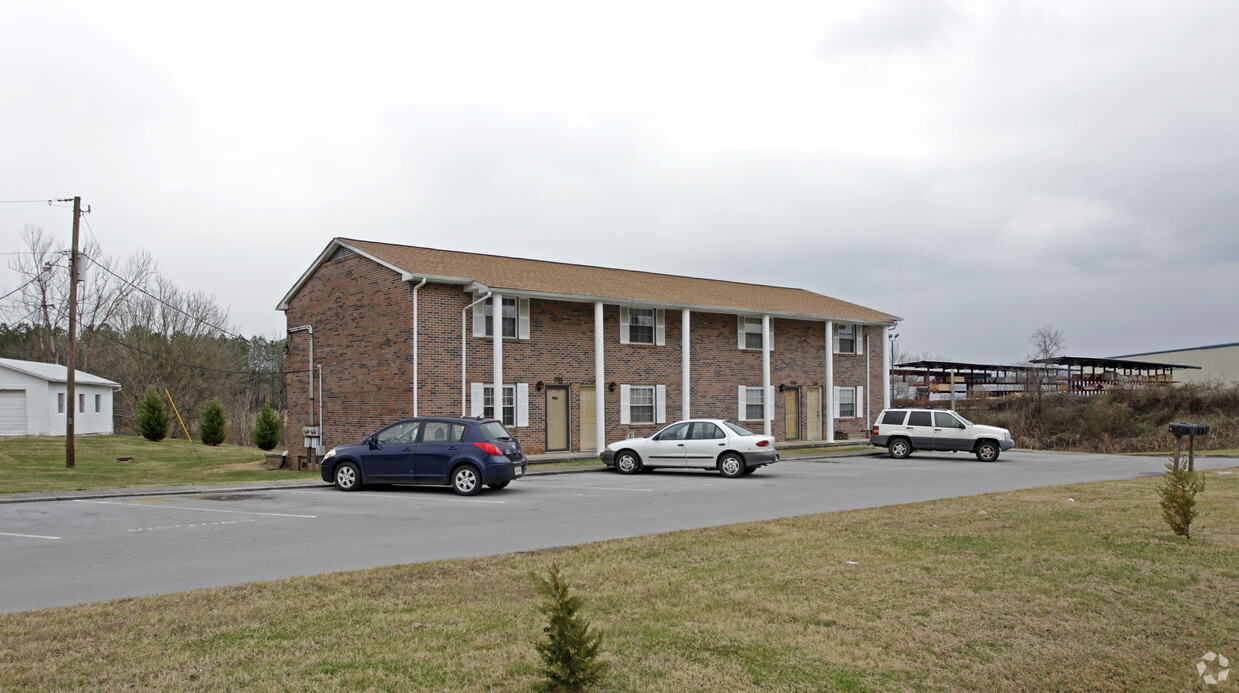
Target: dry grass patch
x: 1024, y: 591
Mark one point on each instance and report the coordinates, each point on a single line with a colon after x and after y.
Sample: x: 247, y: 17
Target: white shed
x: 32, y: 400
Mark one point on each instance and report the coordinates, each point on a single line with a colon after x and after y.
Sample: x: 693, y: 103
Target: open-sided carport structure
x: 1105, y: 373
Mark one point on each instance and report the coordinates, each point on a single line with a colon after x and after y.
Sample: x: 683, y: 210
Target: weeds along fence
x: 1121, y: 420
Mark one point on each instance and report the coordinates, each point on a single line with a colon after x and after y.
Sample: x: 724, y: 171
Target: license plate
x: 519, y: 471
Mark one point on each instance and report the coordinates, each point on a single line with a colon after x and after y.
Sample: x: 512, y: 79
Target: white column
x: 768, y: 409
x: 685, y: 345
x: 600, y: 386
x: 496, y: 323
x: 886, y: 367
x: 829, y: 391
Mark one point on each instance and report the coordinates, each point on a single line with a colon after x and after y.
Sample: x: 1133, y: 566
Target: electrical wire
x: 193, y: 365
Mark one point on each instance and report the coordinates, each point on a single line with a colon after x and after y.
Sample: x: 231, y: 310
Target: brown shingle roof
x: 617, y: 285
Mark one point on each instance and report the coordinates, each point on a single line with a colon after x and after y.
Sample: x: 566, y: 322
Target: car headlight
x: 330, y: 453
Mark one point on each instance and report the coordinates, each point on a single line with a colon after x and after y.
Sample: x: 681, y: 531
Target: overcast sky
x: 978, y: 168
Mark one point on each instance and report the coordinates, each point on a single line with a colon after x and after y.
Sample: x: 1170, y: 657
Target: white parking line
x: 25, y: 536
x: 411, y: 498
x: 188, y: 507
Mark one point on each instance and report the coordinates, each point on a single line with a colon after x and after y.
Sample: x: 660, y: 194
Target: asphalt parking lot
x: 84, y: 549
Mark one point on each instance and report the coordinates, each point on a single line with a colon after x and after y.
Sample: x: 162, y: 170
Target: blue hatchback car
x: 465, y: 453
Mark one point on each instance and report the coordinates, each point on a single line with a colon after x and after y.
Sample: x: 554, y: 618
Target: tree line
x: 136, y: 327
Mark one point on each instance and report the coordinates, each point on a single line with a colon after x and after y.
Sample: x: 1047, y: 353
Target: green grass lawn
x: 1069, y: 588
x: 38, y: 464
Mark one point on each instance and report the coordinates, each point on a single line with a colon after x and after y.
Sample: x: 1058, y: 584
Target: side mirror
x: 373, y: 442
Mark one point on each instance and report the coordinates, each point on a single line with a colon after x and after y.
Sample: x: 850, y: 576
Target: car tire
x: 499, y: 485
x: 731, y: 465
x: 899, y: 448
x: 627, y: 462
x: 987, y: 451
x: 347, y: 477
x: 749, y: 470
x: 466, y: 480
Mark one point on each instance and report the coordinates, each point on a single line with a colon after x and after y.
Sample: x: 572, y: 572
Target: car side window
x: 677, y: 432
x: 704, y: 430
x: 894, y: 417
x: 919, y: 418
x: 458, y: 433
x: 944, y: 419
x: 403, y: 432
x: 437, y: 432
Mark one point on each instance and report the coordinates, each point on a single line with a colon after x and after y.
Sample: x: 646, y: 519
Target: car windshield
x: 495, y: 431
x: 738, y: 430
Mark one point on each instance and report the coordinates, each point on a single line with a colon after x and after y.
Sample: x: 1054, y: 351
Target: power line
x: 193, y: 365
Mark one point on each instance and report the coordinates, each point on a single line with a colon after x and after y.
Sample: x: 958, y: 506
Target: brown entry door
x: 588, y: 419
x: 813, y: 407
x: 791, y: 413
x: 557, y: 436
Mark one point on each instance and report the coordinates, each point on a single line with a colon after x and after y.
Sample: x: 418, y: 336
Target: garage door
x: 12, y: 413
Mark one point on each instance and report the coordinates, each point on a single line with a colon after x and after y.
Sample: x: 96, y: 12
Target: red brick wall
x: 361, y: 313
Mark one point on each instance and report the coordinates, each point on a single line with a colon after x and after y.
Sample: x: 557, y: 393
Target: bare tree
x: 1047, y: 342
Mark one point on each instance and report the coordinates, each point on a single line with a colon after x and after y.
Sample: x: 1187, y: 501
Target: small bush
x: 152, y: 420
x: 1178, y: 493
x: 213, y: 424
x: 269, y: 428
x: 570, y: 651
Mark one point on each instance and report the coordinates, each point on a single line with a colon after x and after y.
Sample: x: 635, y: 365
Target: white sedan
x: 695, y: 444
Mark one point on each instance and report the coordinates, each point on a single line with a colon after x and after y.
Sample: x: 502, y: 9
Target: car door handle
x: 679, y: 445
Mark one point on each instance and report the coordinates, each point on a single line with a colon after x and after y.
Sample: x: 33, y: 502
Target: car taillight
x: 875, y: 429
x: 762, y: 443
x: 490, y: 448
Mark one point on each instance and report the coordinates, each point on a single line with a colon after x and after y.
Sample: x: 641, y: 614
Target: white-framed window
x: 849, y: 402
x: 514, y: 318
x: 81, y: 403
x: 60, y: 402
x: 848, y: 338
x: 98, y: 403
x: 514, y: 407
x: 752, y: 404
x: 748, y: 332
x: 643, y: 326
x: 643, y: 404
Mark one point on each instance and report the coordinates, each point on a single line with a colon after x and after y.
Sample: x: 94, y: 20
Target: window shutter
x: 859, y: 332
x: 660, y: 403
x: 479, y: 319
x: 660, y: 326
x: 835, y: 350
x: 625, y: 415
x: 767, y: 404
x: 522, y: 405
x: 740, y: 415
x: 522, y: 318
x: 623, y: 324
x: 476, y: 394
x: 740, y: 335
x: 771, y: 335
x: 836, y: 402
x: 860, y: 401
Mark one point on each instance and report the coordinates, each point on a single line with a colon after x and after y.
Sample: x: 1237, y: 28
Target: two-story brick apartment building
x: 588, y: 355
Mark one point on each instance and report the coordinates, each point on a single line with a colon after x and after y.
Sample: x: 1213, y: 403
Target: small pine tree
x: 213, y: 423
x: 570, y: 651
x: 152, y: 420
x: 1178, y: 493
x: 269, y: 428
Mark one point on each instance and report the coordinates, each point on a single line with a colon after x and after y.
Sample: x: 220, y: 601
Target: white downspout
x: 886, y: 367
x: 685, y: 380
x: 464, y: 356
x: 868, y: 383
x: 600, y: 387
x: 415, y: 289
x: 830, y: 381
x: 768, y: 409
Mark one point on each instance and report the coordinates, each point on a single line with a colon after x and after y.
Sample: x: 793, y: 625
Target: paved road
x: 73, y: 551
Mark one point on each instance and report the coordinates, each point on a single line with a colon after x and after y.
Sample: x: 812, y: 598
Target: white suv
x: 903, y: 431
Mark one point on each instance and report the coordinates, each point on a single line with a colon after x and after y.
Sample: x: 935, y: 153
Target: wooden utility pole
x: 71, y: 358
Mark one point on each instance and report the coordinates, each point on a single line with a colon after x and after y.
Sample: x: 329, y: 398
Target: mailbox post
x: 1186, y: 428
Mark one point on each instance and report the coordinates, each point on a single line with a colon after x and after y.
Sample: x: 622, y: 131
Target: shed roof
x: 55, y: 373
x: 565, y: 281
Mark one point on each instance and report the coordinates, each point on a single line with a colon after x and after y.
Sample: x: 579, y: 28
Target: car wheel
x: 499, y: 484
x: 731, y: 465
x: 628, y: 463
x: 466, y: 481
x: 347, y: 477
x: 987, y: 451
x: 899, y: 448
